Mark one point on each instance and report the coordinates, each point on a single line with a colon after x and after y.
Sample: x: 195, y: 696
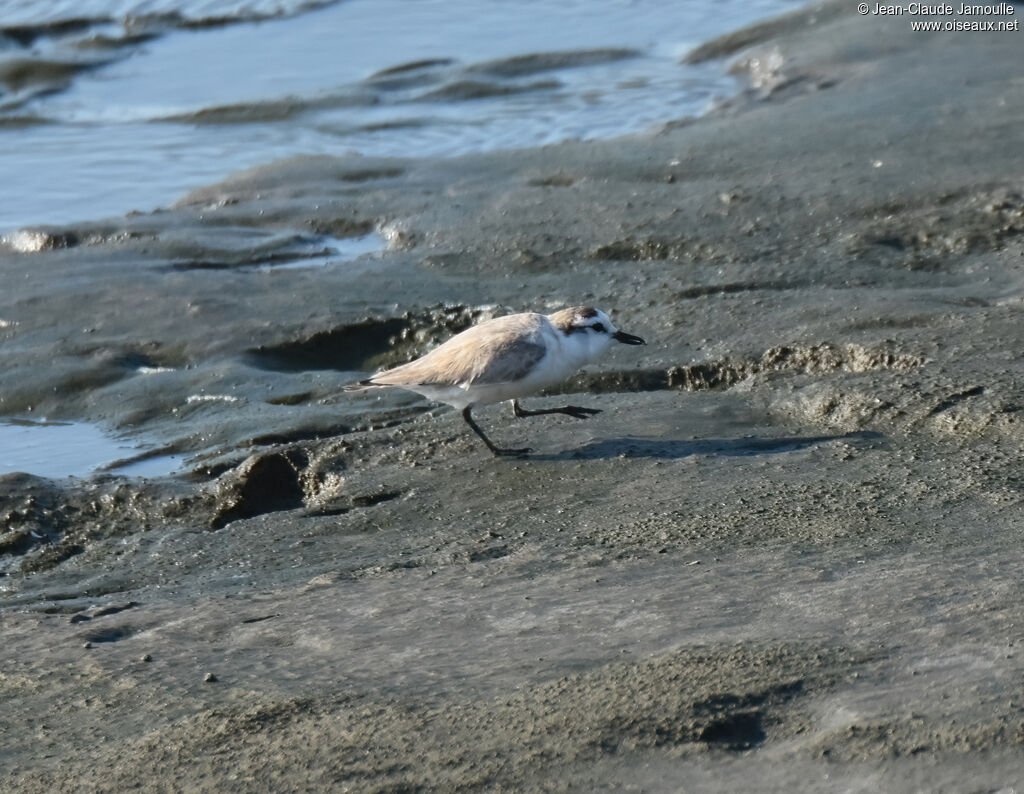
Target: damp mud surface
x: 787, y: 551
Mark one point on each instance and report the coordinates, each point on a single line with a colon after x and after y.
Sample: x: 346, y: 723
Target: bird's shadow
x: 673, y: 449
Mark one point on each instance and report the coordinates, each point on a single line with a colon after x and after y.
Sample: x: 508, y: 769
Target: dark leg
x: 570, y: 410
x: 476, y: 429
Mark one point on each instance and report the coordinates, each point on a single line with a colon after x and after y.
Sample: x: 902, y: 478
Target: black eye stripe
x: 579, y: 329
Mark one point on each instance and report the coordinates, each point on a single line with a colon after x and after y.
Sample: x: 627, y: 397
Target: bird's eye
x: 599, y: 327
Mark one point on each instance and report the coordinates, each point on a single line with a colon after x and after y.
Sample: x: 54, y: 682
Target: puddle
x: 75, y: 449
x: 335, y: 250
x: 349, y: 248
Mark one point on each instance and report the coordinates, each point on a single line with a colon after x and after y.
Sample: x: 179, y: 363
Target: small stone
x: 147, y: 658
x: 86, y: 644
x: 210, y: 678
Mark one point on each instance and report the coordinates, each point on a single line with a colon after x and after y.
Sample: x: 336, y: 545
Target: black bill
x: 627, y: 339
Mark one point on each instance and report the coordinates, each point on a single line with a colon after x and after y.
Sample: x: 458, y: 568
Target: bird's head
x: 590, y: 330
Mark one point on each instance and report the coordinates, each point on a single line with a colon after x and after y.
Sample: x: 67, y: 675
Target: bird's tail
x: 362, y: 385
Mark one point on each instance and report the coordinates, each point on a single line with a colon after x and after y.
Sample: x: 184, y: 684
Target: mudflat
x: 786, y: 555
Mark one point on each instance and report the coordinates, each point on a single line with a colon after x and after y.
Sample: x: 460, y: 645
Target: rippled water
x: 110, y: 106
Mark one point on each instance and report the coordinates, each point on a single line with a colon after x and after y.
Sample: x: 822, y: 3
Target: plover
x: 507, y: 358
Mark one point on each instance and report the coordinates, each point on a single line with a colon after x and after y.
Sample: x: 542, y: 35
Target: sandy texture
x: 787, y: 552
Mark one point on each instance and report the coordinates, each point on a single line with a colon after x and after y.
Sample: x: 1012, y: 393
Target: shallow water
x: 149, y: 100
x: 74, y: 449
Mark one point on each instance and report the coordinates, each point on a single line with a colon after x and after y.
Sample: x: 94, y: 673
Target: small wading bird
x: 505, y: 359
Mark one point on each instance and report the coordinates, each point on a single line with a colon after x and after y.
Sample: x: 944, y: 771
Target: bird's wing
x: 499, y: 351
x: 510, y: 362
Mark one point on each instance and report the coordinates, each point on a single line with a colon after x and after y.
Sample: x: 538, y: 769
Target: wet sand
x: 788, y: 551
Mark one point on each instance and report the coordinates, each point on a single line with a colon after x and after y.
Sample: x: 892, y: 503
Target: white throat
x: 583, y: 347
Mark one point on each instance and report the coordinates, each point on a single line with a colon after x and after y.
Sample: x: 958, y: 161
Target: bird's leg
x: 476, y: 429
x: 569, y: 410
